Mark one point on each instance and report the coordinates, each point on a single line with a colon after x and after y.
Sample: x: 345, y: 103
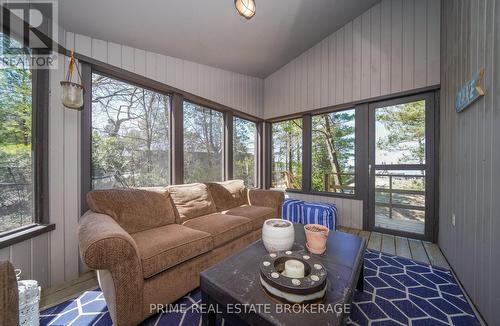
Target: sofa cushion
x: 258, y: 214
x: 191, y: 200
x: 222, y: 227
x: 167, y: 246
x: 134, y: 209
x: 228, y: 194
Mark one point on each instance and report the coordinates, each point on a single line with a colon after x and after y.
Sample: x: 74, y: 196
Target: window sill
x: 22, y: 234
x: 323, y: 194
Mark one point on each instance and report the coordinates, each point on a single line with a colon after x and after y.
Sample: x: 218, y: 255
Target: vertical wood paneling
x: 56, y: 184
x: 356, y: 58
x: 140, y: 62
x: 39, y: 259
x: 420, y: 41
x: 324, y: 75
x: 82, y: 44
x: 115, y: 54
x: 99, y: 50
x: 331, y: 70
x: 20, y: 256
x: 385, y: 47
x: 366, y: 50
x: 348, y: 55
x: 339, y: 66
x: 375, y: 52
x: 5, y: 253
x: 409, y: 43
x: 394, y: 46
x: 433, y: 41
x: 127, y: 58
x: 468, y: 151
x: 350, y: 211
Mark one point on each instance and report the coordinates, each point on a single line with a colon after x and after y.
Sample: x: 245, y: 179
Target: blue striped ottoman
x: 292, y: 210
x: 299, y: 211
x: 320, y: 213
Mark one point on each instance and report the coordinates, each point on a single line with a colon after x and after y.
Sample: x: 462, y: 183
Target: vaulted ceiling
x: 211, y: 31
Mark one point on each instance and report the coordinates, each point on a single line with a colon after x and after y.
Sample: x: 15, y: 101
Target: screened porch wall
x: 391, y: 48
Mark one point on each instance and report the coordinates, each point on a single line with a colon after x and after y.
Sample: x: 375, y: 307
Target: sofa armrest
x: 267, y: 198
x: 107, y: 247
x: 104, y: 244
x: 9, y: 303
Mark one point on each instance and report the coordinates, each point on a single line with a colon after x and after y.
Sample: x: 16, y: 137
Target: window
x: 333, y: 152
x: 244, y: 151
x: 130, y: 135
x: 20, y: 181
x: 203, y: 143
x: 286, y: 164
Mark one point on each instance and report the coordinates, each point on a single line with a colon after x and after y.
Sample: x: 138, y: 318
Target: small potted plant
x: 316, y: 236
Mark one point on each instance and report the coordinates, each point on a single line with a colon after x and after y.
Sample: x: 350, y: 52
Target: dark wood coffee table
x: 232, y: 287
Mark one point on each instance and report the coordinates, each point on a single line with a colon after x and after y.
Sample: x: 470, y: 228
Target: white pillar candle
x: 294, y: 268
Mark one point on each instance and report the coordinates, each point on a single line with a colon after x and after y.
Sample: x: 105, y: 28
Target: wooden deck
x: 417, y: 250
x: 412, y: 226
x: 422, y: 251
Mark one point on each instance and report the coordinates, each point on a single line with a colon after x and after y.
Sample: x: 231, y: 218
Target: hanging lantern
x: 72, y: 93
x: 246, y: 8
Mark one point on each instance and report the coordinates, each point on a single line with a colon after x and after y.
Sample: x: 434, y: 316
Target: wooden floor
x: 412, y: 226
x: 422, y: 251
x: 417, y: 250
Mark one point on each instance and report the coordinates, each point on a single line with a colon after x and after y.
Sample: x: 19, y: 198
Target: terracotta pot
x: 277, y: 235
x: 316, y: 236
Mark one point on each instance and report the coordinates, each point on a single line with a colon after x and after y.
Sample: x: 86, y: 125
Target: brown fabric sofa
x: 9, y: 303
x: 149, y: 245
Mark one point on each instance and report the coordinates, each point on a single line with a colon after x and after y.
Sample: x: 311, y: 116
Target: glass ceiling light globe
x: 246, y: 8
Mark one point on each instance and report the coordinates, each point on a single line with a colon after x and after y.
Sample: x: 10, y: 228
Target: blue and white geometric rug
x: 398, y: 291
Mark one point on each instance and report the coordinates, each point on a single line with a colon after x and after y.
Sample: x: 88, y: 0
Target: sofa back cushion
x: 191, y: 200
x: 228, y: 194
x: 134, y: 209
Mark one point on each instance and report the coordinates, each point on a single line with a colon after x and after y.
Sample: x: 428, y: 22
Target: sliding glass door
x: 401, y: 166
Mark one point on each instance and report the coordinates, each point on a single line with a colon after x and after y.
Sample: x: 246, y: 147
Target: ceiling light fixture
x: 246, y: 8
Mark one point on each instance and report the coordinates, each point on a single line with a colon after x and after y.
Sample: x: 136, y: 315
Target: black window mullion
x: 228, y: 146
x: 267, y: 156
x: 86, y: 136
x: 306, y: 152
x: 177, y: 139
x: 40, y: 130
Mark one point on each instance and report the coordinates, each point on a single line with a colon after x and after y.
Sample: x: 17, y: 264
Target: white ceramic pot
x: 278, y: 235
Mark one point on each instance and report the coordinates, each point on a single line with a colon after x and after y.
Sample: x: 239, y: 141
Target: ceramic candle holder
x: 294, y: 269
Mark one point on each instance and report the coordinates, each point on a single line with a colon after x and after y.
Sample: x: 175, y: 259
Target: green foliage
x: 287, y: 154
x: 333, y: 144
x: 406, y: 131
x: 130, y: 135
x: 15, y: 145
x: 244, y: 148
x: 203, y: 144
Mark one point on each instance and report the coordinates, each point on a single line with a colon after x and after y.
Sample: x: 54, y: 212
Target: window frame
x: 225, y: 133
x: 40, y: 98
x: 177, y: 98
x: 356, y: 153
x: 256, y: 146
x: 306, y: 128
x: 360, y: 150
x: 86, y: 122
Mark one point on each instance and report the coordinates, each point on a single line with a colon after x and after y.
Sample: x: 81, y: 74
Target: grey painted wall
x: 470, y: 151
x: 392, y: 47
